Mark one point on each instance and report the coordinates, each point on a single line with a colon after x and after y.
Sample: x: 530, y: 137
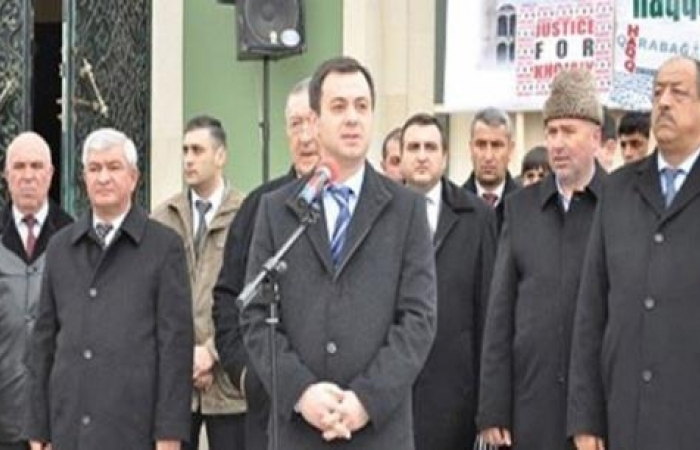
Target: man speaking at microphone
x: 358, y: 299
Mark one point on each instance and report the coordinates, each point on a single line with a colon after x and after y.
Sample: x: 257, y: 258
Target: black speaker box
x: 270, y: 29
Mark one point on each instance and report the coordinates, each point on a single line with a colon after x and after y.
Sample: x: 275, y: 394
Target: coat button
x: 87, y: 354
x: 647, y: 375
x: 331, y: 348
x: 649, y: 303
x: 659, y: 238
x: 85, y: 420
x: 93, y: 292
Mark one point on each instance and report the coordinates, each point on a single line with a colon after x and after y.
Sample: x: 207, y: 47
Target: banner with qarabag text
x: 647, y: 33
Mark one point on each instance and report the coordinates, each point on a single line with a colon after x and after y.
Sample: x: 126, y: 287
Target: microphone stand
x: 266, y: 283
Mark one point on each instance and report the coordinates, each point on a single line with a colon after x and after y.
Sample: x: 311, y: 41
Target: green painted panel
x: 216, y: 83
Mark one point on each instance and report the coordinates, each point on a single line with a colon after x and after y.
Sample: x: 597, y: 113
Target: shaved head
x: 28, y: 171
x: 28, y: 140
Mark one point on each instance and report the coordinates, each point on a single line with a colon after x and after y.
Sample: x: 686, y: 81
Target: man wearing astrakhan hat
x: 525, y: 359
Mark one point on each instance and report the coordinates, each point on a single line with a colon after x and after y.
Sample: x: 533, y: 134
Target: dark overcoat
x: 636, y: 356
x: 229, y: 343
x: 111, y: 355
x: 445, y: 394
x: 530, y: 314
x: 367, y: 326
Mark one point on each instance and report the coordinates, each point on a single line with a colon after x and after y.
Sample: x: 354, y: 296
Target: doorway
x: 46, y: 82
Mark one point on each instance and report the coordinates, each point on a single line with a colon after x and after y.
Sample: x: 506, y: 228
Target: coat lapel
x: 317, y: 232
x: 688, y: 192
x: 373, y: 198
x: 452, y: 205
x: 648, y: 184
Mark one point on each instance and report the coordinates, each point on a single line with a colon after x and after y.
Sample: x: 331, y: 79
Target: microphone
x: 324, y: 174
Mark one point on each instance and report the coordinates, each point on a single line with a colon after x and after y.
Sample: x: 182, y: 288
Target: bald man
x: 27, y: 222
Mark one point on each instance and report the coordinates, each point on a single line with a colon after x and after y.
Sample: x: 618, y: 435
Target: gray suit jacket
x: 367, y: 327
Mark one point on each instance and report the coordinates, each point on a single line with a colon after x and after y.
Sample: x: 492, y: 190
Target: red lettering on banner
x: 564, y: 26
x: 631, y: 47
x: 549, y: 70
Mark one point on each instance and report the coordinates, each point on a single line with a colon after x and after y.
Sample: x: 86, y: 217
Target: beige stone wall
x: 166, y: 99
x: 396, y: 40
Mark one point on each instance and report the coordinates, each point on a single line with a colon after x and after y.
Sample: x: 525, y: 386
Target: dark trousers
x: 14, y: 446
x: 224, y: 431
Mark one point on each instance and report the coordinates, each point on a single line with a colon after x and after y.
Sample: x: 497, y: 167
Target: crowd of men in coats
x: 416, y: 314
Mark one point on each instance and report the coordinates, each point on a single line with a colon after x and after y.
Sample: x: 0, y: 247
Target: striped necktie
x: 341, y: 195
x: 102, y: 229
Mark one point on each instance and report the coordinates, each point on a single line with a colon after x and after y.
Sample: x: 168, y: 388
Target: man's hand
x: 319, y: 406
x: 588, y: 442
x: 203, y: 361
x: 204, y: 381
x: 36, y: 445
x: 167, y: 445
x: 497, y: 436
x: 352, y: 417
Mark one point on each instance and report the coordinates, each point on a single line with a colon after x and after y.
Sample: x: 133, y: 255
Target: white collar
x: 355, y: 181
x: 216, y: 198
x: 685, y: 166
x: 40, y: 215
x: 435, y: 193
x: 116, y: 223
x: 498, y: 191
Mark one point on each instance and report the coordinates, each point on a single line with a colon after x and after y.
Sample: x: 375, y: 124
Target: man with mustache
x: 635, y: 365
x: 525, y: 357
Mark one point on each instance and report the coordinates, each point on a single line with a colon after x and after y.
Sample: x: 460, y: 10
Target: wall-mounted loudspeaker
x: 270, y: 29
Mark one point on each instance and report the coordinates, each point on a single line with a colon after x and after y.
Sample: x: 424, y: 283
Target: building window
x: 505, y: 34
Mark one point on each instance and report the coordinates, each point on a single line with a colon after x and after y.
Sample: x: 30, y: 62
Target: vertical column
x: 166, y: 99
x: 396, y: 40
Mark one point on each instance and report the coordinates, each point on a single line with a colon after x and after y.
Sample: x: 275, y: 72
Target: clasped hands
x: 333, y: 411
x: 202, y: 368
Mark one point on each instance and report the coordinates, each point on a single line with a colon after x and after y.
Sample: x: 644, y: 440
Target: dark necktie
x: 29, y: 220
x: 669, y: 175
x: 341, y: 195
x: 490, y: 198
x: 203, y: 208
x: 102, y: 229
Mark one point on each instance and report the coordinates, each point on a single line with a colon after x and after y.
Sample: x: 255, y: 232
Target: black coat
x: 56, y: 219
x: 510, y: 187
x: 530, y: 314
x: 445, y: 393
x: 366, y: 325
x: 20, y: 281
x: 636, y: 355
x: 111, y: 356
x: 229, y: 344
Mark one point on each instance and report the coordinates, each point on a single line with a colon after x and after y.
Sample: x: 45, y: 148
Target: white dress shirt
x: 22, y: 228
